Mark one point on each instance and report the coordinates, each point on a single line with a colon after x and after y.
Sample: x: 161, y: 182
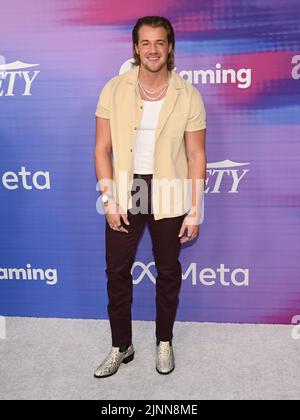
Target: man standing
x: 154, y: 123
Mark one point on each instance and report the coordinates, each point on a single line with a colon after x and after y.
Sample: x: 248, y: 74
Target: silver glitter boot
x: 165, y: 362
x: 113, y: 361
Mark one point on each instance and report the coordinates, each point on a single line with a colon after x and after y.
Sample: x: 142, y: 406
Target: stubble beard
x: 154, y: 70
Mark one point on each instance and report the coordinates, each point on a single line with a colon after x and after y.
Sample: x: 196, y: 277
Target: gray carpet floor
x: 56, y: 358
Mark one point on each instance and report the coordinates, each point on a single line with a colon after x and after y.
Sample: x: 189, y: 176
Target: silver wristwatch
x: 105, y: 198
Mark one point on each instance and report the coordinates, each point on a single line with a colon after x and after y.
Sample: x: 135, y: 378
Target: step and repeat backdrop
x: 244, y: 57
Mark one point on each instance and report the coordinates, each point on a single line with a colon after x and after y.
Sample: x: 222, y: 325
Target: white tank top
x: 145, y: 138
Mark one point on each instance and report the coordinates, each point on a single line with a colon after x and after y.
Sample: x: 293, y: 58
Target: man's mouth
x: 153, y: 58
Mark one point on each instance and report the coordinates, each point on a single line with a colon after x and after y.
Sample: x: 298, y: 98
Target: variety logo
x: 216, y: 173
x: 48, y: 276
x: 17, y: 74
x: 296, y: 68
x: 240, y: 77
x: 39, y: 180
x: 238, y: 277
x: 225, y: 169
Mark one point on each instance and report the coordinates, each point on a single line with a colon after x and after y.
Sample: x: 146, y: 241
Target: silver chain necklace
x: 149, y: 91
x: 152, y: 91
x: 151, y: 97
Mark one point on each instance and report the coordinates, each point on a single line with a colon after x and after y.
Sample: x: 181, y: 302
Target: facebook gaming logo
x: 242, y: 78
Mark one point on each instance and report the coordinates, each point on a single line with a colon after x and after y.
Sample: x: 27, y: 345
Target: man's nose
x: 153, y: 49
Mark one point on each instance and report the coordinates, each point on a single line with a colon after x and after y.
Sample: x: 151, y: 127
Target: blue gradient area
x: 280, y: 115
x: 226, y: 46
x: 279, y: 98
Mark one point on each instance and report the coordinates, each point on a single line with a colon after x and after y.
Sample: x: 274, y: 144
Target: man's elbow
x: 102, y: 150
x: 197, y: 159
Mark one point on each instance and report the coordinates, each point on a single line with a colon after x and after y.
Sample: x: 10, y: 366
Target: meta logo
x: 39, y: 180
x: 296, y: 68
x: 238, y: 277
x: 17, y: 74
x: 242, y: 78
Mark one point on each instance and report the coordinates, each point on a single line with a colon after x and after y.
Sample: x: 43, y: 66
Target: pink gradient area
x: 284, y: 318
x: 266, y: 67
x: 91, y: 12
x: 100, y: 12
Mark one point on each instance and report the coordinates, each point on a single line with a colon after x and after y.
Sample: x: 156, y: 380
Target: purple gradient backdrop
x: 78, y: 46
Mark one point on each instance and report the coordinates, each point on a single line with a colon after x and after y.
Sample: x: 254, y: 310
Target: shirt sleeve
x: 103, y: 105
x: 197, y: 115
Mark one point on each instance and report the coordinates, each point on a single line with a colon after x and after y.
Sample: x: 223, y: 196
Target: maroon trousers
x: 120, y: 254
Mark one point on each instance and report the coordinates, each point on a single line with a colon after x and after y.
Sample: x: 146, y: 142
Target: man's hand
x: 114, y: 214
x: 191, y: 223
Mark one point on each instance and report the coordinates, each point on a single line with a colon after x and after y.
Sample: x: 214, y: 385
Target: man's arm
x: 102, y: 155
x: 196, y: 156
x: 104, y: 171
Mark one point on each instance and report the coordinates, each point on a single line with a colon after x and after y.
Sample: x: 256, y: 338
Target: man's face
x: 153, y: 48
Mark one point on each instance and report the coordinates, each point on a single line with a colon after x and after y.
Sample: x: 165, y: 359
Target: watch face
x: 104, y: 198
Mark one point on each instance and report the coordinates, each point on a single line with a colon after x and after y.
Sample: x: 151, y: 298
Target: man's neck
x: 153, y: 80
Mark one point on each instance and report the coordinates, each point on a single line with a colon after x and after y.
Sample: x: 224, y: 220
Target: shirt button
x: 141, y: 107
x: 135, y: 128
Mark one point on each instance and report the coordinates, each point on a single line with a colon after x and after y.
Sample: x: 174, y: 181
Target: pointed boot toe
x: 165, y: 362
x: 113, y: 361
